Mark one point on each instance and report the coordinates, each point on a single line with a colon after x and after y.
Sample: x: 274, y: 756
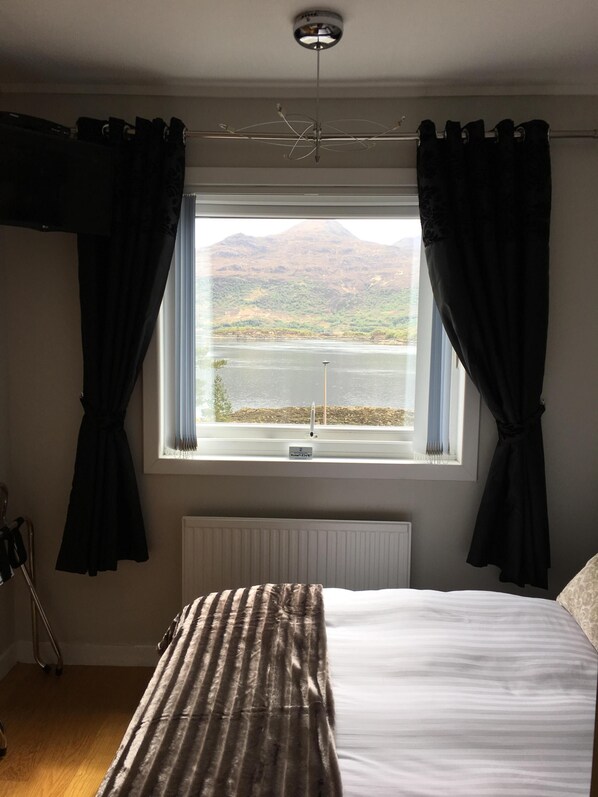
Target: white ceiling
x: 194, y: 46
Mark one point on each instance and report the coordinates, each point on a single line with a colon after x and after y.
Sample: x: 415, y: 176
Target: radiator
x: 223, y: 553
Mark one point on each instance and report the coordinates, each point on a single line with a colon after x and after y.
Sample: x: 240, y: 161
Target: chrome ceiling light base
x: 318, y: 30
x: 306, y: 135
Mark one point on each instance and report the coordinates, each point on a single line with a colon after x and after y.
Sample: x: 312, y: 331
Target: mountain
x: 300, y: 252
x: 315, y: 279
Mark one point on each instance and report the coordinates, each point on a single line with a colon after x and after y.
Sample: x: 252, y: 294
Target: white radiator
x: 223, y: 553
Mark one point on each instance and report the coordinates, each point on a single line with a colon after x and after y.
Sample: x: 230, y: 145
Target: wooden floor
x: 63, y: 731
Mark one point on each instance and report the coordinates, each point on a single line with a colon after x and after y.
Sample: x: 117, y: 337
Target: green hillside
x: 257, y: 308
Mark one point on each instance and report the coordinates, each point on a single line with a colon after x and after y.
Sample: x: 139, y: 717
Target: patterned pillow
x: 580, y: 599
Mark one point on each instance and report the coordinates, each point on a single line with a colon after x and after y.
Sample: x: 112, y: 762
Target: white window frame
x: 234, y: 451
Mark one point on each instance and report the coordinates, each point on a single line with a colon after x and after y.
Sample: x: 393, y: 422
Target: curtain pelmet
x: 485, y: 211
x: 121, y: 284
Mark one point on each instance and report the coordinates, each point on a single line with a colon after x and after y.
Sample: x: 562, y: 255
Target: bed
x: 297, y: 690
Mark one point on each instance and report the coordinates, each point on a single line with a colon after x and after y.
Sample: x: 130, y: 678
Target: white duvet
x: 459, y: 694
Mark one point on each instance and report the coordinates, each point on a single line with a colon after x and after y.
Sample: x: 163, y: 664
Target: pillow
x: 580, y: 599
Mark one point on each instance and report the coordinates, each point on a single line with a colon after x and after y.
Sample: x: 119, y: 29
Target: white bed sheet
x: 464, y: 694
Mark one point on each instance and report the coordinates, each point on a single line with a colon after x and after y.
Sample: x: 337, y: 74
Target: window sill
x: 332, y: 468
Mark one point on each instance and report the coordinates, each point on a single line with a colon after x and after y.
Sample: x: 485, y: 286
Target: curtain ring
x: 105, y: 129
x: 494, y: 132
x: 465, y: 135
x: 521, y: 131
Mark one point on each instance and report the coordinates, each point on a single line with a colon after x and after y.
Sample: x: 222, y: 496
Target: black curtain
x: 121, y: 284
x: 485, y: 212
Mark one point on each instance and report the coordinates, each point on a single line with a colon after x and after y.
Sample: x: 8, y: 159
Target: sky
x: 384, y: 231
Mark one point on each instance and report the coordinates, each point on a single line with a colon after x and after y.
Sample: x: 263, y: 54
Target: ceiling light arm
x: 283, y: 115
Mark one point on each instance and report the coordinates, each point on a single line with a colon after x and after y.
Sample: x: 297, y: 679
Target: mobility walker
x: 14, y: 556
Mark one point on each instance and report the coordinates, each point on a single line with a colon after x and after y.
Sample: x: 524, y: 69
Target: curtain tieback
x: 517, y: 431
x: 104, y: 419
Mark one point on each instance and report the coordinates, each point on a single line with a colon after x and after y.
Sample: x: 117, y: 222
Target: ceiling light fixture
x: 306, y: 135
x: 318, y: 30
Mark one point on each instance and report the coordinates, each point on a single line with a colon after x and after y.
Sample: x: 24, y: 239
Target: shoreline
x: 305, y: 338
x: 335, y: 416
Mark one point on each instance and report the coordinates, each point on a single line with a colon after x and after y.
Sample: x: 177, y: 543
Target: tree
x: 222, y: 405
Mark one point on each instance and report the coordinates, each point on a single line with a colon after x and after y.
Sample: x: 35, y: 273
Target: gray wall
x: 134, y: 604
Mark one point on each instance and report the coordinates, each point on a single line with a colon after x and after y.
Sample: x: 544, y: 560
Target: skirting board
x: 99, y: 655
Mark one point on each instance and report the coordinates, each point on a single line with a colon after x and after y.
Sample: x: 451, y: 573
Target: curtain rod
x: 214, y: 134
x: 339, y: 138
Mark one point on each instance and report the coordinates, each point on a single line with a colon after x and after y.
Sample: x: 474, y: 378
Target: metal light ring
x: 311, y: 26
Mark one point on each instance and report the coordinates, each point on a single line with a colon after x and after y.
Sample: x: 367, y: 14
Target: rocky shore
x: 352, y: 416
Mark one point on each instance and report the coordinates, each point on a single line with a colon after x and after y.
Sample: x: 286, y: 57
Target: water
x: 290, y: 373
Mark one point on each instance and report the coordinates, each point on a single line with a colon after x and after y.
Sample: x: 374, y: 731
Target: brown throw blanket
x: 240, y: 703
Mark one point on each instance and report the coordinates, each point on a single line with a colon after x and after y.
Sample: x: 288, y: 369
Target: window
x: 312, y: 332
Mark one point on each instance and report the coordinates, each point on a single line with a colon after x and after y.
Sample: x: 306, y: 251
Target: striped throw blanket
x: 240, y: 703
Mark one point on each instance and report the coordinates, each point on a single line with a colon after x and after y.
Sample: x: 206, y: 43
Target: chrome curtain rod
x: 214, y: 134
x: 339, y: 138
